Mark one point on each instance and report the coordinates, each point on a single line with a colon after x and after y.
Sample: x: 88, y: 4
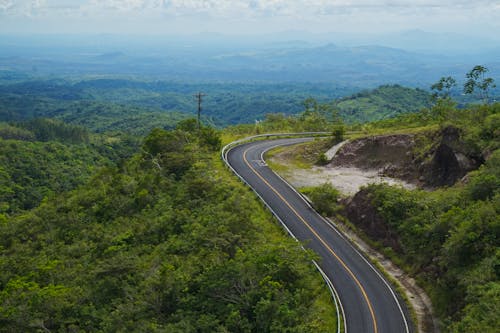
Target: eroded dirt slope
x: 428, y: 160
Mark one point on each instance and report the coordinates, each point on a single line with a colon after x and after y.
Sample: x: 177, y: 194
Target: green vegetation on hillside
x: 42, y: 157
x: 168, y: 241
x: 449, y: 238
x: 384, y: 102
x: 100, y: 233
x: 134, y: 105
x: 138, y: 106
x: 95, y: 116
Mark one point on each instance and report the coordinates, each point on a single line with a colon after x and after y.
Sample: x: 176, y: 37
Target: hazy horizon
x: 375, y: 42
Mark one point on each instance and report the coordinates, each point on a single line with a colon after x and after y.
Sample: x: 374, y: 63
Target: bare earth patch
x: 348, y: 180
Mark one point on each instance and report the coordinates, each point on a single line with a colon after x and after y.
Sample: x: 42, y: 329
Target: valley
x: 118, y: 214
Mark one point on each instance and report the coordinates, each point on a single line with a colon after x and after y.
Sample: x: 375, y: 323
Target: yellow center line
x: 322, y: 241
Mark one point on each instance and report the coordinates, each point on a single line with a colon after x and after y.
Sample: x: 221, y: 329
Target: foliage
x: 324, y: 198
x: 138, y: 106
x: 93, y: 115
x: 338, y: 133
x: 153, y: 247
x: 31, y: 171
x: 384, y: 102
x: 450, y: 239
x: 56, y: 130
x: 477, y: 121
x: 442, y: 88
x: 11, y: 132
x: 316, y: 117
x: 41, y: 157
x: 476, y: 80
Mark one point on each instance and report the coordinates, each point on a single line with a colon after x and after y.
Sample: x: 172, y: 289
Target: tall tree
x: 476, y: 80
x: 442, y: 88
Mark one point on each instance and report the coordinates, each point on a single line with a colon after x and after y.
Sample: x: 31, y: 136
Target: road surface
x: 369, y: 303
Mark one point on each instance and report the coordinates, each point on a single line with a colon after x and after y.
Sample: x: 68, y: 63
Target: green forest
x: 138, y: 106
x: 163, y: 241
x: 116, y: 213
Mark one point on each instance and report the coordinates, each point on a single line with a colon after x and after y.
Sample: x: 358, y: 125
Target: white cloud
x: 245, y: 7
x: 282, y: 14
x: 6, y: 4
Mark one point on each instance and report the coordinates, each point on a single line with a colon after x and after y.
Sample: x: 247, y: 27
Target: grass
x: 368, y: 130
x: 301, y: 156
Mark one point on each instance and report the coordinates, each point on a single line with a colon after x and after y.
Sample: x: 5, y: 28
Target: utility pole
x: 199, y: 96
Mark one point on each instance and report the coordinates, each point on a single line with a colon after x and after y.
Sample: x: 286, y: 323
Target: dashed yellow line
x: 322, y: 241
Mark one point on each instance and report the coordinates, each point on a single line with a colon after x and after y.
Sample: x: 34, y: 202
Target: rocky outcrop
x: 447, y: 161
x: 360, y: 211
x: 376, y: 152
x: 405, y: 157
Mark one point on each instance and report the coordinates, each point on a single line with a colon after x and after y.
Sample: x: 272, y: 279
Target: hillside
x: 445, y: 232
x: 216, y: 58
x: 103, y: 233
x: 383, y: 102
x: 168, y: 241
x: 43, y: 157
x: 96, y: 116
x: 138, y: 105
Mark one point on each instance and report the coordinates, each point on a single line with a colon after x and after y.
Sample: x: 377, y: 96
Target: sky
x: 239, y: 17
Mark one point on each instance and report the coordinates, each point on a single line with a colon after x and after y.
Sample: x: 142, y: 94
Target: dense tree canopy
x: 166, y: 242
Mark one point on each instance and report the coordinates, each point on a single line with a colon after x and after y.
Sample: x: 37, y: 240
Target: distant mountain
x: 110, y: 56
x: 224, y: 59
x: 448, y: 43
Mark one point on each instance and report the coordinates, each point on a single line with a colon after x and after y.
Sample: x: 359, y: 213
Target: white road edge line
x: 332, y: 226
x: 333, y: 291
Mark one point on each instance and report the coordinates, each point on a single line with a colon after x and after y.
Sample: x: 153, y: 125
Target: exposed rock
x: 444, y: 168
x: 448, y: 160
x: 360, y: 211
x: 376, y: 152
x: 444, y: 163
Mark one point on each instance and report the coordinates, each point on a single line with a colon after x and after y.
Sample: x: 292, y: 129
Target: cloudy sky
x: 248, y: 16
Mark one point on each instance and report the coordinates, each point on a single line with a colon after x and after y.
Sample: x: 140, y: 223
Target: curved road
x: 369, y: 303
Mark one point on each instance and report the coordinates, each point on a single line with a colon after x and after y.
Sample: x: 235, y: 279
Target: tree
x: 310, y: 105
x: 442, y: 88
x: 476, y: 80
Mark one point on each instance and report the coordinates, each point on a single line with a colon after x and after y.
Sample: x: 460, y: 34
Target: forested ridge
x: 165, y: 241
x: 42, y: 157
x: 138, y: 106
x: 386, y: 101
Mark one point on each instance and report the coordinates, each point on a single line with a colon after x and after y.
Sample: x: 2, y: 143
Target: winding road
x: 367, y: 300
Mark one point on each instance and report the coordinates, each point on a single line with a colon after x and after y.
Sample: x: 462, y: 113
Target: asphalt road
x: 369, y: 303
